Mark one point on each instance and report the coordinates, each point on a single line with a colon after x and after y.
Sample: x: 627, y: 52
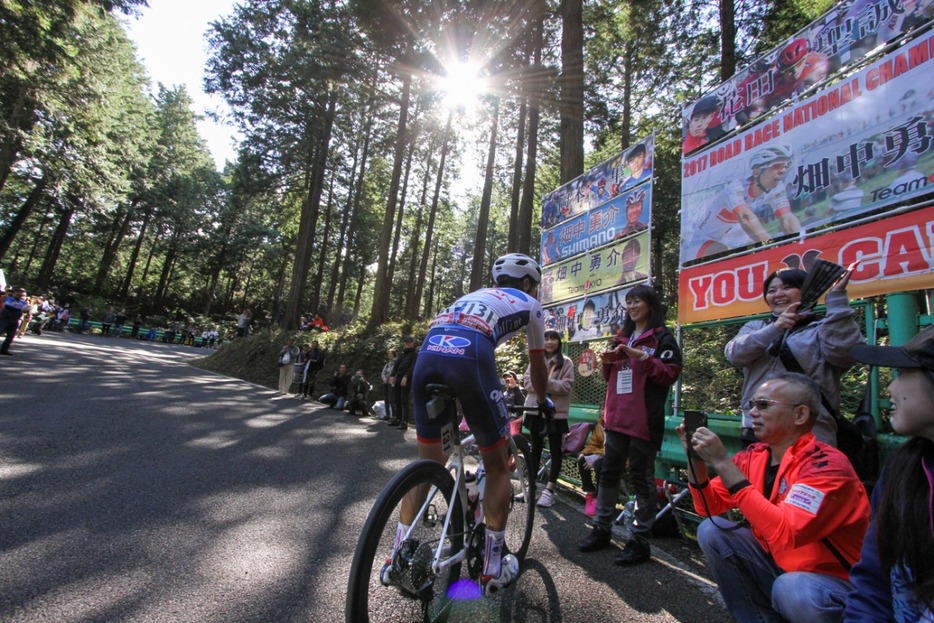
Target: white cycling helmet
x: 517, y: 266
x: 769, y: 155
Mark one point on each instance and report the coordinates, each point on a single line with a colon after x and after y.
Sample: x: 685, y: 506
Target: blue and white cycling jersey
x: 458, y: 352
x: 498, y: 313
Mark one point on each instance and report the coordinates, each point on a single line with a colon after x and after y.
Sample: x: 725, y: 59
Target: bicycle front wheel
x: 407, y: 589
x: 522, y: 501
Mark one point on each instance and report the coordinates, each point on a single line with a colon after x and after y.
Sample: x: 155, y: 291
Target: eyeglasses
x: 763, y: 404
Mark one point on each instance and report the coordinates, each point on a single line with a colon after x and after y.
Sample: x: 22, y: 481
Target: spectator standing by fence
x: 119, y: 321
x: 641, y: 366
x: 797, y: 341
x: 107, y: 321
x: 553, y: 429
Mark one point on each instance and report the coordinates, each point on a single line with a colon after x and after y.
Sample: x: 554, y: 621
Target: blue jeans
x: 335, y: 402
x: 756, y: 589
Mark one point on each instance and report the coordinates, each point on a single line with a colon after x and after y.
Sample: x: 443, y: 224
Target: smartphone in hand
x: 692, y: 421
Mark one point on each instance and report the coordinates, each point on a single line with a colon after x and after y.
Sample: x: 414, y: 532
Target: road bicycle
x: 420, y: 579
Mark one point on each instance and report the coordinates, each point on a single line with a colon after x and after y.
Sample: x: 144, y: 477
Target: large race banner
x: 588, y: 318
x: 610, y: 178
x: 860, y: 146
x: 895, y: 253
x: 839, y: 38
x: 625, y: 215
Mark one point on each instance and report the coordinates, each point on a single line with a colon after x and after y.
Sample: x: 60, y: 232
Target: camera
x: 692, y: 421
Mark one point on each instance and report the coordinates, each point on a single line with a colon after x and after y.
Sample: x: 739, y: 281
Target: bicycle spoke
x: 414, y: 592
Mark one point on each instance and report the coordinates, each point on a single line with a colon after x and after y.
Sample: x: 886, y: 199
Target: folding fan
x: 820, y: 276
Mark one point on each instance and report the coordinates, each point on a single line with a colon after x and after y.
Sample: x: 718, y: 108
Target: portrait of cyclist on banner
x: 458, y: 353
x: 703, y: 125
x: 734, y: 217
x: 797, y: 68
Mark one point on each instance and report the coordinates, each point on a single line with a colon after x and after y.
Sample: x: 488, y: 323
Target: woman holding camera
x: 643, y: 363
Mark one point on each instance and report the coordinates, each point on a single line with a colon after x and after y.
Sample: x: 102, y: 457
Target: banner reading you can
x: 895, y: 253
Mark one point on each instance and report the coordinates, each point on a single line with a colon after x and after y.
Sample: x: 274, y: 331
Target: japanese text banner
x: 861, y: 145
x: 600, y: 184
x: 840, y: 37
x: 588, y: 318
x: 895, y: 253
x: 623, y: 216
x: 618, y: 264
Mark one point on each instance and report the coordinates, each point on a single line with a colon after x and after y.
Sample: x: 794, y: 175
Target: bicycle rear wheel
x: 522, y: 502
x: 413, y: 593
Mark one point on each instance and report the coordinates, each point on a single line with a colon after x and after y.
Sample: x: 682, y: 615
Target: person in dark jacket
x: 314, y: 360
x: 642, y: 365
x: 894, y: 578
x: 340, y: 385
x: 359, y: 394
x: 13, y: 308
x: 402, y: 384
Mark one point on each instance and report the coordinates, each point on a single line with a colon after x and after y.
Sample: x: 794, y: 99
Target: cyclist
x: 733, y: 216
x: 458, y: 352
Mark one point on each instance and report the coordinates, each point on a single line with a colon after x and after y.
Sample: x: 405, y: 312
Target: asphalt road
x: 136, y: 487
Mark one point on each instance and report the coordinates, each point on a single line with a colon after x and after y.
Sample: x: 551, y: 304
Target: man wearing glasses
x: 807, y: 510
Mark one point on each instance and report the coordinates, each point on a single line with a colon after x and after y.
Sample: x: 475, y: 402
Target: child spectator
x: 590, y: 463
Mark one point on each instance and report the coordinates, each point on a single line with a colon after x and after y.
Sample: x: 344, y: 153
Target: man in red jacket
x: 807, y: 510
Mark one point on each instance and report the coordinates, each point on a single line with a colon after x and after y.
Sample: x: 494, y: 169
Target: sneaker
x: 393, y: 421
x: 507, y: 575
x: 590, y: 505
x: 636, y: 551
x: 404, y: 426
x: 599, y: 538
x: 547, y: 499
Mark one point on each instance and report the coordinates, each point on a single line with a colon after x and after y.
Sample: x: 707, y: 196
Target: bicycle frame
x: 453, y: 447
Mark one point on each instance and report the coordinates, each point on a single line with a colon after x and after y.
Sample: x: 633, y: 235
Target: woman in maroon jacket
x: 640, y: 368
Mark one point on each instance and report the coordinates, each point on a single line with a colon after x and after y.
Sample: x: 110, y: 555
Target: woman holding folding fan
x: 795, y: 339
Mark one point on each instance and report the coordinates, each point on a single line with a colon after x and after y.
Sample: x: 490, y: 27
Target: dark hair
x: 806, y: 392
x: 792, y: 277
x: 646, y: 293
x: 638, y: 150
x: 559, y: 357
x: 903, y: 530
